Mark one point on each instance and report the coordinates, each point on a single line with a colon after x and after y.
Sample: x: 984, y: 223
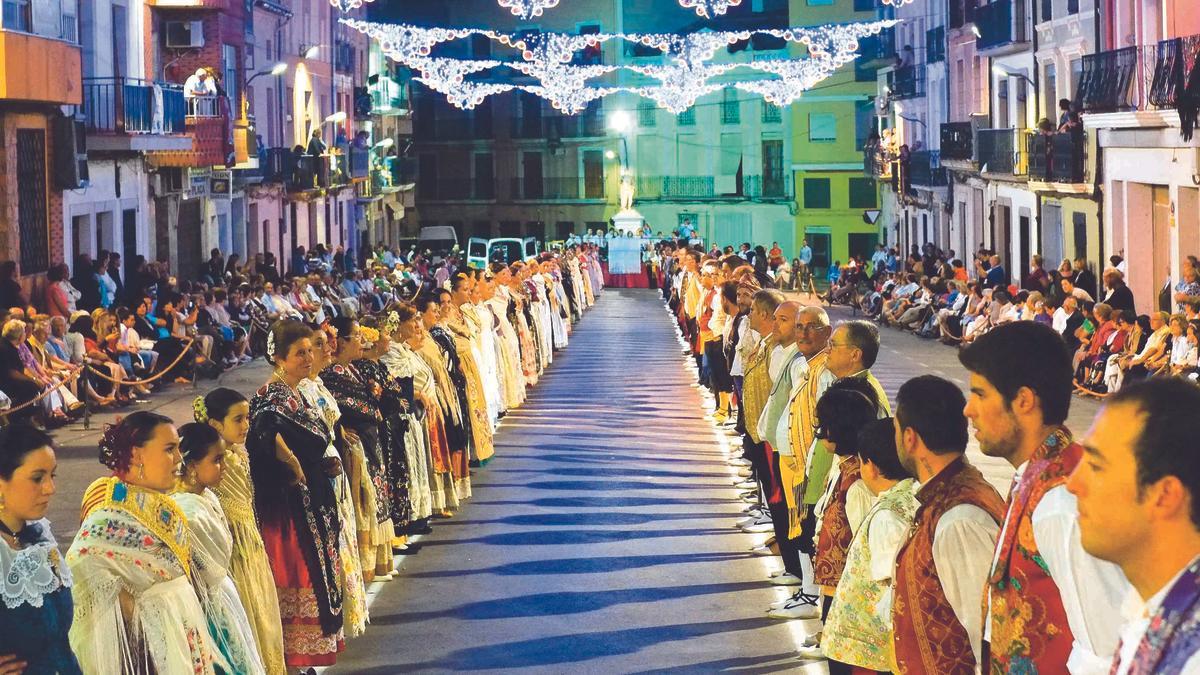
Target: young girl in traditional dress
x: 858, y: 629
x: 203, y: 460
x: 228, y: 412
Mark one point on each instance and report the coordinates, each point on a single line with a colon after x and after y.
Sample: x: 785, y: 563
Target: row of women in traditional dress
x: 243, y: 542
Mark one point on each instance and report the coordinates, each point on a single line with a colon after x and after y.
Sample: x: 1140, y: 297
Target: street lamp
x: 310, y: 52
x: 276, y: 70
x: 621, y: 122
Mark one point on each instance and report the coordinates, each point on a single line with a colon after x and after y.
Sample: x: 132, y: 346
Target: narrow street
x: 600, y: 539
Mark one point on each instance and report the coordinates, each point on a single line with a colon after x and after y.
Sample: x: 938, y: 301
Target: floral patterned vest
x: 833, y: 541
x: 926, y: 633
x: 859, y: 629
x: 1029, y: 625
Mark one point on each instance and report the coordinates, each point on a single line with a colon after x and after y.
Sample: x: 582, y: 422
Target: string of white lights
x: 528, y: 9
x: 685, y: 74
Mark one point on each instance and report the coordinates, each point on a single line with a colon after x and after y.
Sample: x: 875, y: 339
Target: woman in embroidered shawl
x: 404, y: 359
x: 401, y: 364
x: 35, y: 595
x: 212, y: 545
x: 137, y: 608
x: 508, y: 350
x: 437, y: 350
x: 228, y: 412
x: 462, y: 332
x: 393, y: 404
x: 313, y: 389
x: 296, y: 505
x: 358, y: 399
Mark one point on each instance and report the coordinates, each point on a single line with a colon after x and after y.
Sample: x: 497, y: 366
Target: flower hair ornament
x: 369, y: 336
x: 199, y: 410
x: 115, y: 438
x: 271, y: 345
x: 393, y: 322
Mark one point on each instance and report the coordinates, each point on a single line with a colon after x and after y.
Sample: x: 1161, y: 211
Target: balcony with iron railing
x: 455, y: 189
x: 272, y: 167
x: 1001, y: 25
x: 925, y: 169
x: 558, y: 126
x: 556, y: 188
x: 768, y: 186
x: 132, y: 115
x: 1058, y: 158
x: 958, y: 142
x: 1151, y: 77
x: 389, y: 97
x: 1003, y: 151
x: 907, y: 82
x: 305, y: 173
x: 214, y: 141
x: 877, y: 163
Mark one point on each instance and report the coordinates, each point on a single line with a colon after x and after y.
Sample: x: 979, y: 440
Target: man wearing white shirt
x: 937, y: 618
x: 1138, y: 489
x: 1050, y: 604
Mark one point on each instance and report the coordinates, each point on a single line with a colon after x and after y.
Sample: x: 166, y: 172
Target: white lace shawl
x: 33, y: 572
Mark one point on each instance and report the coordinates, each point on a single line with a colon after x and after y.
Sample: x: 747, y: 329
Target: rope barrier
x: 46, y: 392
x: 152, y: 378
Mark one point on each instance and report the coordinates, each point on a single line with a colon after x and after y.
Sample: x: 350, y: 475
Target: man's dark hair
x: 877, y: 445
x: 1024, y: 354
x: 933, y: 407
x: 843, y: 409
x: 729, y: 291
x: 865, y: 337
x: 1167, y: 444
x: 1064, y: 103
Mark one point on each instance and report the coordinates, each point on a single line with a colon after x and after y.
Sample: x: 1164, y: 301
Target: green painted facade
x: 829, y: 125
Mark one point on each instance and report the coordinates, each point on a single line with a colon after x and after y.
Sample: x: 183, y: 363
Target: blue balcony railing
x: 124, y: 105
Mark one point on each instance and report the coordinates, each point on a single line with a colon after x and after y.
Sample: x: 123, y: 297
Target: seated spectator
x: 18, y: 384
x: 1183, y: 347
x: 1119, y: 296
x: 1155, y: 354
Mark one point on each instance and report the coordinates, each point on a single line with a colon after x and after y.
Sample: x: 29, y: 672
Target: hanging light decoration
x: 347, y: 5
x: 686, y: 74
x: 709, y: 8
x: 527, y: 9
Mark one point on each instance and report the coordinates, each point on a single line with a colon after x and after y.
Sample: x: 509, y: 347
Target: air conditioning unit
x: 184, y: 34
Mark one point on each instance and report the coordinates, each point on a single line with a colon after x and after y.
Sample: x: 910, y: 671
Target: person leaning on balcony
x: 199, y: 84
x: 316, y: 146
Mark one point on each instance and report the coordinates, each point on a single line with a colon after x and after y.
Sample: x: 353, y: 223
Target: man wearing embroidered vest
x: 795, y: 436
x: 941, y: 570
x: 751, y: 361
x: 1051, y: 607
x: 788, y: 371
x: 853, y: 349
x: 1138, y: 488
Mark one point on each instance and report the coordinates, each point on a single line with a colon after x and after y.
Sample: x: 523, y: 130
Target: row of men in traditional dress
x: 912, y: 561
x: 242, y: 542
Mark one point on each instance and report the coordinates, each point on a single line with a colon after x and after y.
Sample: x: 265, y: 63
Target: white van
x: 438, y: 239
x: 507, y: 250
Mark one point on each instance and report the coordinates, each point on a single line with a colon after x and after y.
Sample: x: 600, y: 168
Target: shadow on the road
x: 571, y: 648
x: 601, y: 501
x: 773, y: 663
x: 584, y: 519
x: 564, y: 537
x: 560, y: 603
x: 587, y: 565
x: 601, y: 472
x: 604, y: 485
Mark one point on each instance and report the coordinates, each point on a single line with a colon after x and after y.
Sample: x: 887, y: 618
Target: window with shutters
x: 731, y: 112
x: 822, y: 128
x: 31, y: 201
x: 816, y: 193
x: 771, y: 113
x: 863, y: 193
x: 687, y: 118
x: 647, y: 114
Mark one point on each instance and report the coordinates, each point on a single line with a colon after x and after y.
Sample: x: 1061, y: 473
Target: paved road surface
x: 600, y: 538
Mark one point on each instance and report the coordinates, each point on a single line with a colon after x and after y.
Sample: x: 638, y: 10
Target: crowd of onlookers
x: 103, y: 333
x: 937, y: 296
